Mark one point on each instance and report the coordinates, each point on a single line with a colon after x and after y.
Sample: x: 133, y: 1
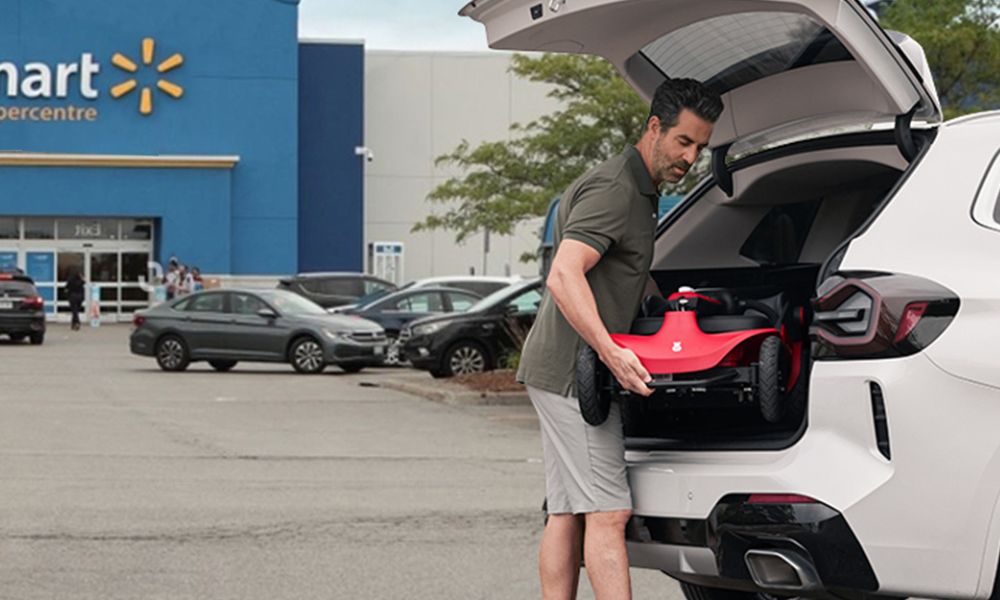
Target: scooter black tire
x: 594, y: 405
x: 769, y: 396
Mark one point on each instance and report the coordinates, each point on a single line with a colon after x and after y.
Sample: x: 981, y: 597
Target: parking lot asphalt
x: 122, y: 481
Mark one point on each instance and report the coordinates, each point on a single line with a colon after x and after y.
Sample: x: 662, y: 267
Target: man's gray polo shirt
x: 613, y: 209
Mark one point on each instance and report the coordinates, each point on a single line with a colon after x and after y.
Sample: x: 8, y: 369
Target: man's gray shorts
x: 584, y: 465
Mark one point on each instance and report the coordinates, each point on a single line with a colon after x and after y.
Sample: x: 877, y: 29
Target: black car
x: 330, y: 290
x: 476, y: 340
x: 396, y: 310
x: 22, y: 310
x: 227, y: 326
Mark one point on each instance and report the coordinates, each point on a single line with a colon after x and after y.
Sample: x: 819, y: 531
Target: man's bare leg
x: 559, y: 556
x: 605, y: 555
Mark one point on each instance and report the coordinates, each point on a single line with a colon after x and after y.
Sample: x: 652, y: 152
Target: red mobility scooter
x: 707, y: 348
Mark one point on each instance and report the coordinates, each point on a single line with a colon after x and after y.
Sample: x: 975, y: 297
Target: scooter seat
x: 727, y: 323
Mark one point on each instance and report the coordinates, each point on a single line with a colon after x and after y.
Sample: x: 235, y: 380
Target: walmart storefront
x: 136, y: 130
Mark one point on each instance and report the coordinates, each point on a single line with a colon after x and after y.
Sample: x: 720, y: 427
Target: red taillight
x: 911, y: 316
x: 138, y: 320
x: 33, y: 302
x: 879, y: 315
x: 780, y: 499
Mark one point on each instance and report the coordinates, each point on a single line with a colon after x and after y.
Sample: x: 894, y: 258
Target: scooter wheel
x: 594, y: 405
x: 772, y: 405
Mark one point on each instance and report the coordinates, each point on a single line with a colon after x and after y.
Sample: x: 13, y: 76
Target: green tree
x: 961, y: 39
x: 506, y: 182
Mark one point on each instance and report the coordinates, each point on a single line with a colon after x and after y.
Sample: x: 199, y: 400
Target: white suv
x: 837, y: 189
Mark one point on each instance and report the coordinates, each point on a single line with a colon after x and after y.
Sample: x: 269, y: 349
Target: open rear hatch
x: 786, y: 69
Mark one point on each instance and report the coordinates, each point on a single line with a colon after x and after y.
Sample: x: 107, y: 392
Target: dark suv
x: 22, y: 310
x: 335, y: 289
x: 479, y: 339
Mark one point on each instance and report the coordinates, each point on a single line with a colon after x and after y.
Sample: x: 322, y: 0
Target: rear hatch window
x: 16, y: 289
x: 730, y: 51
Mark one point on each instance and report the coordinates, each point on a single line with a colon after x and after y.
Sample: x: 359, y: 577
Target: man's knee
x: 616, y: 519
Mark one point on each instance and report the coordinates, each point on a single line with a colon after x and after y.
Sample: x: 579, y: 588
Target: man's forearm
x: 572, y: 294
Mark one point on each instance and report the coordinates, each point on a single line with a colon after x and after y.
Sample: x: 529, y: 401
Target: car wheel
x: 465, y: 358
x: 594, y: 405
x: 351, y: 368
x: 222, y: 365
x: 307, y: 356
x: 37, y: 338
x: 772, y: 405
x: 172, y: 353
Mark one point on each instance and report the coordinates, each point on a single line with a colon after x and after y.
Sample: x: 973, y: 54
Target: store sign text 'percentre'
x: 38, y: 81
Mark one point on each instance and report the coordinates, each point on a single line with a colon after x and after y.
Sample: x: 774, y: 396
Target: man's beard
x: 670, y: 176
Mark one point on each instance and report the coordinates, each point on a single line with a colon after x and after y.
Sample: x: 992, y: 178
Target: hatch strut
x: 723, y: 177
x: 904, y: 135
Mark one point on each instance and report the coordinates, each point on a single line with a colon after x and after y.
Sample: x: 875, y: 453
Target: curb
x: 455, y: 395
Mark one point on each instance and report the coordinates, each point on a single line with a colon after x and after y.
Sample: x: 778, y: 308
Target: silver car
x: 224, y: 327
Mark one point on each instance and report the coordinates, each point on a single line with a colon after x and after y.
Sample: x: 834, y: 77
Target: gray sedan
x: 227, y: 326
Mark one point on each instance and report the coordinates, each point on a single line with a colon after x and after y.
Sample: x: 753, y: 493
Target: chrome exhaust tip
x: 778, y: 569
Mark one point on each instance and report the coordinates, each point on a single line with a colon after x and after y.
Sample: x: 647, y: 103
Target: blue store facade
x: 138, y: 130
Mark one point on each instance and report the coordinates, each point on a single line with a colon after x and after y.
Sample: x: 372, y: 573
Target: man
x: 604, y: 235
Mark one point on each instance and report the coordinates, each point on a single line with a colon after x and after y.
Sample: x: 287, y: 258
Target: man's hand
x: 627, y: 369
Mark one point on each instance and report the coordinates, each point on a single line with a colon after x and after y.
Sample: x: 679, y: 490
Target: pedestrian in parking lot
x: 197, y: 284
x: 170, y: 279
x: 185, y: 282
x: 604, y: 234
x: 75, y: 293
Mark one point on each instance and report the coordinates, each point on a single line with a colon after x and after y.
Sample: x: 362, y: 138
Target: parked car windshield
x: 291, y: 303
x: 367, y: 299
x: 497, y: 297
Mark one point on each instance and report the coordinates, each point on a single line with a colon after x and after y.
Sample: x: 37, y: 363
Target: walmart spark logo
x: 146, y: 96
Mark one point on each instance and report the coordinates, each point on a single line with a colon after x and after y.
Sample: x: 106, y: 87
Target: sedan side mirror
x: 267, y: 313
x: 511, y: 309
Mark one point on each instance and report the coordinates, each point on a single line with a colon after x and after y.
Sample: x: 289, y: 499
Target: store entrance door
x: 116, y: 271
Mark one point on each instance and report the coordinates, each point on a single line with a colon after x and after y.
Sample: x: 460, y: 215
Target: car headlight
x: 336, y: 335
x: 430, y: 328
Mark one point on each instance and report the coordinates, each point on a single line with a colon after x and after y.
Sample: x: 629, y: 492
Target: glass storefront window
x: 134, y: 294
x: 134, y: 266
x: 103, y: 267
x: 39, y: 229
x: 68, y: 263
x: 109, y: 293
x: 88, y: 229
x: 9, y: 229
x: 137, y: 229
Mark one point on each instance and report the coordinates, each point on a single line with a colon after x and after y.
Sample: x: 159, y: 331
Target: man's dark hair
x: 674, y: 95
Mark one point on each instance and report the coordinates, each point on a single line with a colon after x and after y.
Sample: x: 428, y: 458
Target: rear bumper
x: 28, y: 323
x: 813, y: 541
x: 141, y: 342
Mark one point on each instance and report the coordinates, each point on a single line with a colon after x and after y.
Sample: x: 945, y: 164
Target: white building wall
x: 418, y: 106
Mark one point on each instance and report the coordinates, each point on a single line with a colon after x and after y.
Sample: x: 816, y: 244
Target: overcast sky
x: 393, y: 24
